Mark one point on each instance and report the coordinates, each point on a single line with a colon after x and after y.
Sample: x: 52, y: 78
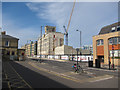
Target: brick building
x: 106, y: 45
x: 8, y: 46
x: 30, y: 49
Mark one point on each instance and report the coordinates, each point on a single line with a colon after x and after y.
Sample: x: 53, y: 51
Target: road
x: 53, y: 74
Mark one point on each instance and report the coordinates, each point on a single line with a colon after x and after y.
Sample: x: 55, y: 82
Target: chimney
x: 3, y: 33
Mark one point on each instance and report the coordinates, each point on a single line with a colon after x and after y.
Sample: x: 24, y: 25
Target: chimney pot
x: 3, y: 33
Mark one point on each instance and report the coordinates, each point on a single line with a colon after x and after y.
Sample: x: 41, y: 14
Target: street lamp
x: 113, y: 43
x: 40, y: 43
x: 80, y: 43
x: 77, y: 57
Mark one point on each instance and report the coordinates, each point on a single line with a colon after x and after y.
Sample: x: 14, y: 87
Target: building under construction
x: 49, y: 41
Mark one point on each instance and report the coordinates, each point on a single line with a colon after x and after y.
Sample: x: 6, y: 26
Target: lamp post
x: 77, y: 57
x: 113, y: 43
x: 40, y: 43
x: 80, y: 43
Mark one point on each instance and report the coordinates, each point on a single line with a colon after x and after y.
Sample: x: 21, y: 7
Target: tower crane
x: 66, y: 30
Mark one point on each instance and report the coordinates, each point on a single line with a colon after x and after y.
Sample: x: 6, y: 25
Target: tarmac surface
x: 55, y: 74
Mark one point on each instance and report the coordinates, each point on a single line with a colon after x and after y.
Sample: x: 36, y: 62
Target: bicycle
x: 78, y: 69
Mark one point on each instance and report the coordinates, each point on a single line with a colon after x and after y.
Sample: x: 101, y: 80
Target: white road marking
x: 101, y: 79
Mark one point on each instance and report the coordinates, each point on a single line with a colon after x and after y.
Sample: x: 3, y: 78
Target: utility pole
x: 77, y: 57
x: 40, y: 43
x: 80, y: 44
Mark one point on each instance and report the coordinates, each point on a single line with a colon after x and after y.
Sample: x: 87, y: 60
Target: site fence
x: 83, y: 58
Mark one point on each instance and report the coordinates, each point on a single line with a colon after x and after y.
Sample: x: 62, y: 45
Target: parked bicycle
x: 78, y: 68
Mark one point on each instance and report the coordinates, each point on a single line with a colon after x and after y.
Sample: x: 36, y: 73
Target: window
x: 110, y: 41
x: 114, y: 40
x: 61, y: 41
x: 114, y: 53
x: 118, y: 28
x: 8, y: 52
x: 118, y: 40
x: 6, y: 43
x: 113, y: 29
x: 13, y: 53
x: 100, y: 42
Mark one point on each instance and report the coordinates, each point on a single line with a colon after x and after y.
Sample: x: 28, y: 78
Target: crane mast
x: 66, y: 30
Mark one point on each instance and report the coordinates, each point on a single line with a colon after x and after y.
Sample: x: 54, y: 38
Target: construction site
x: 51, y: 44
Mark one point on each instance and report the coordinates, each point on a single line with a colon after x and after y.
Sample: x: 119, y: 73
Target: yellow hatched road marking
x: 8, y: 81
x: 21, y: 78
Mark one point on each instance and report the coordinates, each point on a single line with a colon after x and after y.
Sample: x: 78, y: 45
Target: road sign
x: 77, y: 49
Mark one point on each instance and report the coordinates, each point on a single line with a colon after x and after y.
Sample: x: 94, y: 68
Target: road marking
x: 21, y: 77
x: 8, y: 81
x: 55, y: 73
x: 100, y: 78
x: 102, y: 69
x: 95, y: 79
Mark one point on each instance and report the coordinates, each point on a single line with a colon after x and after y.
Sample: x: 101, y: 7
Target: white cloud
x: 24, y: 34
x: 87, y: 17
x: 54, y: 12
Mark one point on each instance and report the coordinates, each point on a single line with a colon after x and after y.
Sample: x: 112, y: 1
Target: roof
x: 8, y: 36
x: 107, y: 29
x: 85, y: 51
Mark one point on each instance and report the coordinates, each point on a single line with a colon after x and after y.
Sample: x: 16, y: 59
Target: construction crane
x: 66, y: 30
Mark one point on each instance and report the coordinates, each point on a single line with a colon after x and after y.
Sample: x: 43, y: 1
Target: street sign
x: 77, y: 49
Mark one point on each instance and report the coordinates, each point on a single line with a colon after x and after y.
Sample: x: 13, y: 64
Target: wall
x: 105, y: 37
x: 49, y: 43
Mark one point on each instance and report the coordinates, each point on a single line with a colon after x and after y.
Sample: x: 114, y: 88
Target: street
x: 54, y: 74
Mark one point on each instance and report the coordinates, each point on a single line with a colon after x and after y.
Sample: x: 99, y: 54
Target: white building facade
x: 49, y: 41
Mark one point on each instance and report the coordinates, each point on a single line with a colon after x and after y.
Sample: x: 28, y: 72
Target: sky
x: 24, y: 19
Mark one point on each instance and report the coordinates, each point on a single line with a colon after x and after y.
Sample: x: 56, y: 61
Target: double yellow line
x: 55, y: 73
